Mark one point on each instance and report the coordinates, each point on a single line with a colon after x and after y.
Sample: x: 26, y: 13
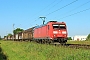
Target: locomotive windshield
x: 55, y: 26
x: 62, y: 27
x: 59, y: 26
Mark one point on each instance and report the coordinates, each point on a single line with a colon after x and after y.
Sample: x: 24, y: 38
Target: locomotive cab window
x: 55, y: 26
x: 58, y: 26
x: 62, y: 27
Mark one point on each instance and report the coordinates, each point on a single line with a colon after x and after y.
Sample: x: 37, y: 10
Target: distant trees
x: 69, y: 38
x: 0, y: 38
x: 5, y: 36
x: 9, y: 34
x: 16, y: 31
x: 88, y: 37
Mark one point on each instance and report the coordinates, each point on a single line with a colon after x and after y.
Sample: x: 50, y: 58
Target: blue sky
x: 25, y: 14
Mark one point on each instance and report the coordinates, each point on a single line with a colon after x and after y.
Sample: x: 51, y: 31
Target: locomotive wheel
x: 50, y: 41
x: 44, y: 41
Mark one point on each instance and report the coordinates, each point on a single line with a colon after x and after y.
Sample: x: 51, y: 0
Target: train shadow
x: 2, y: 55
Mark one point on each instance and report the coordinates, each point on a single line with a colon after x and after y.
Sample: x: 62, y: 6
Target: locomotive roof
x: 40, y: 26
x: 45, y: 24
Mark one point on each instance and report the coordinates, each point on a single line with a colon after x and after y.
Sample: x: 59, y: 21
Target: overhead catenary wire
x: 54, y: 5
x: 75, y: 13
x: 70, y: 10
x: 42, y: 10
x: 62, y: 7
x: 48, y: 5
x: 77, y: 7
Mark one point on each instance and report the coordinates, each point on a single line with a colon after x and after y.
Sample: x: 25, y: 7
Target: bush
x: 88, y: 37
x: 0, y: 38
x: 69, y: 38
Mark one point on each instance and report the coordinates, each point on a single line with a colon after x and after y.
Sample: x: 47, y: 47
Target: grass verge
x: 34, y: 51
x: 78, y: 42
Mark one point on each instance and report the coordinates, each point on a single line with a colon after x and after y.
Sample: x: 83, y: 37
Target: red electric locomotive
x: 53, y: 31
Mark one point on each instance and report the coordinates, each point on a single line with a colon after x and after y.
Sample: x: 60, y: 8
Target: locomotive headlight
x: 64, y: 32
x: 55, y: 32
x: 54, y: 35
x: 50, y: 38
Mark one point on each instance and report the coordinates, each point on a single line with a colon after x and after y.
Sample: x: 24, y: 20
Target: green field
x: 79, y: 42
x: 15, y: 50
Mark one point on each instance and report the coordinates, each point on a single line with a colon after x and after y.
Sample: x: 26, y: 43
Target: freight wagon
x: 28, y: 34
x: 9, y: 37
x: 18, y: 37
x: 25, y: 35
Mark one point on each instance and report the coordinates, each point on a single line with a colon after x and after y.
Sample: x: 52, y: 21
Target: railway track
x: 77, y: 46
